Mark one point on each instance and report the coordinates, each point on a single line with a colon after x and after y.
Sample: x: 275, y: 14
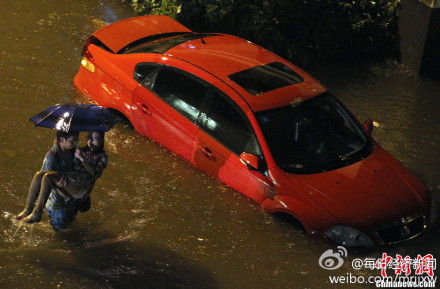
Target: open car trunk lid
x: 121, y: 33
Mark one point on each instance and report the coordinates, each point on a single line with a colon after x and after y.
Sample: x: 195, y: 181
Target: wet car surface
x: 156, y: 221
x: 259, y: 124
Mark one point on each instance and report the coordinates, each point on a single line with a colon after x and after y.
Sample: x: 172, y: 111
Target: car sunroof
x: 264, y: 78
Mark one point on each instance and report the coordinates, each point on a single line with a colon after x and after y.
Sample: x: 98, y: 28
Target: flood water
x: 157, y: 222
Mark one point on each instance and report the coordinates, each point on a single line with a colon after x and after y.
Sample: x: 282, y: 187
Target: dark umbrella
x: 76, y: 117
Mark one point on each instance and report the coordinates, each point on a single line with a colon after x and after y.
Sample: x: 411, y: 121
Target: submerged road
x: 156, y: 221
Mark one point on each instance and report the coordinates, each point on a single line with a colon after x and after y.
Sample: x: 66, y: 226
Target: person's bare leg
x: 34, y: 190
x: 48, y: 182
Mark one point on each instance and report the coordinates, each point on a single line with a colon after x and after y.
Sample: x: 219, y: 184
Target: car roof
x: 219, y: 54
x: 223, y: 55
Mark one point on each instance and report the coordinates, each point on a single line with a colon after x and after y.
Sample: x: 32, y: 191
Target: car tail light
x: 87, y: 62
x: 87, y: 57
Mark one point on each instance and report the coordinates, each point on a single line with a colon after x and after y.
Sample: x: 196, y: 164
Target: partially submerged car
x: 259, y: 124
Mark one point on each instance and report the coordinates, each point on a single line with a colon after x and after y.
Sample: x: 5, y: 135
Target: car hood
x: 369, y: 193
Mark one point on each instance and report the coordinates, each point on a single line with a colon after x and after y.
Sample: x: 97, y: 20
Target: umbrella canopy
x: 76, y: 117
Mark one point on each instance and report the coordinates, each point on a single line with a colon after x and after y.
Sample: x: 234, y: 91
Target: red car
x: 259, y: 124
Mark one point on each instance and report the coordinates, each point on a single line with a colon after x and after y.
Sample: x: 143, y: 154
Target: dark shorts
x: 78, y: 184
x: 62, y: 212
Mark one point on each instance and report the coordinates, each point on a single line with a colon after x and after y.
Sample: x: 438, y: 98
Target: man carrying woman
x: 66, y: 189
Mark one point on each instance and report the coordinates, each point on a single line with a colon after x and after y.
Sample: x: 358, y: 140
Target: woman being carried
x: 73, y: 189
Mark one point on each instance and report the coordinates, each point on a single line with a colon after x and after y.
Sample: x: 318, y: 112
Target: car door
x: 166, y: 106
x: 226, y: 133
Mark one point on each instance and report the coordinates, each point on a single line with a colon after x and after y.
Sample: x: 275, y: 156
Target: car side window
x: 182, y: 91
x: 144, y: 73
x: 227, y: 123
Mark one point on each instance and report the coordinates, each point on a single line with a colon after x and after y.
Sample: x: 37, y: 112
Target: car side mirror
x: 250, y: 160
x: 368, y: 126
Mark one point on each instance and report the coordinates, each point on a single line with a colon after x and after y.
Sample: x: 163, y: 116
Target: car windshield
x: 313, y: 136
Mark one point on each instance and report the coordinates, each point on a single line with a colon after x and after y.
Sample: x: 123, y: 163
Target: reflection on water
x: 117, y: 261
x: 157, y: 222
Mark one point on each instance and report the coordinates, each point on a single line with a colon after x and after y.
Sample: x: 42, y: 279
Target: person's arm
x: 50, y: 163
x: 54, y: 149
x: 101, y: 165
x: 86, y: 165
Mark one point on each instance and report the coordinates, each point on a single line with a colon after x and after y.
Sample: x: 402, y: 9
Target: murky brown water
x: 156, y: 221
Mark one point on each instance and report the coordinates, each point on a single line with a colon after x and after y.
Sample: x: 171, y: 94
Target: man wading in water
x: 73, y: 187
x: 60, y: 160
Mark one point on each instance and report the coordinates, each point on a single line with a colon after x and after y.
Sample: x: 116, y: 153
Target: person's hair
x: 101, y: 137
x: 66, y: 135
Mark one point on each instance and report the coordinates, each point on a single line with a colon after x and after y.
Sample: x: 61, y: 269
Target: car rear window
x: 162, y: 45
x: 264, y: 78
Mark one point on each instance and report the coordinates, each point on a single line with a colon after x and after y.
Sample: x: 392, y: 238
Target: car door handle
x: 145, y: 109
x: 208, y: 152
